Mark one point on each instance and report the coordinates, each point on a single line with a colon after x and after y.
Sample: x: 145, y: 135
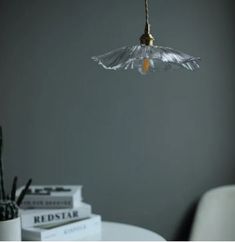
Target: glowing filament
x: 146, y: 65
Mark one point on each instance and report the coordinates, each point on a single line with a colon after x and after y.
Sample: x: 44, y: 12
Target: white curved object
x: 123, y: 232
x: 10, y: 230
x: 215, y: 216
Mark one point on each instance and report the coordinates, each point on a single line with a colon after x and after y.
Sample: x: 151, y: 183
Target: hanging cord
x: 146, y: 38
x: 147, y: 25
x: 146, y: 12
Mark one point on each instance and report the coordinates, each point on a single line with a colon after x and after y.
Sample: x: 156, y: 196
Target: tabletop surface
x: 112, y: 231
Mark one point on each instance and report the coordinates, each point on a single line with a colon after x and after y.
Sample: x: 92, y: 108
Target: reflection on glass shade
x: 146, y: 58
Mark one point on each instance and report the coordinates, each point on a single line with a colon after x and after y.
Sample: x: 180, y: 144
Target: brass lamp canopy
x: 147, y: 38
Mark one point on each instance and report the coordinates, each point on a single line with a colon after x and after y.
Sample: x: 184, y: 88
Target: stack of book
x: 57, y: 213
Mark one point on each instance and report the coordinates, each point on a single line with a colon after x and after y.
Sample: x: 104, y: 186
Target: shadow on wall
x: 183, y: 231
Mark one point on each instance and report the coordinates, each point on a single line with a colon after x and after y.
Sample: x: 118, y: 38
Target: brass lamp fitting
x: 147, y: 38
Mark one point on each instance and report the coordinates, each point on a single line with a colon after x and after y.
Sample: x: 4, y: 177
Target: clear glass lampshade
x: 146, y: 58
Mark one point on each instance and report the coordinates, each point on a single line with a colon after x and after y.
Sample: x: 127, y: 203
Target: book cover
x: 76, y: 230
x: 51, y: 196
x: 36, y: 217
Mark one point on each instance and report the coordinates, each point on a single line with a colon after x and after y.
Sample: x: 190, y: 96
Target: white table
x: 123, y: 232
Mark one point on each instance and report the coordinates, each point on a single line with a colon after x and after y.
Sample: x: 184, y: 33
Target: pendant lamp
x: 146, y: 57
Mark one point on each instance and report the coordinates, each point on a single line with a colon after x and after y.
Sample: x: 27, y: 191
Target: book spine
x: 74, y: 231
x: 45, y: 202
x: 45, y: 217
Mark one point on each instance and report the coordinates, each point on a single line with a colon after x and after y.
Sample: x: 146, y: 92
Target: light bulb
x: 145, y: 66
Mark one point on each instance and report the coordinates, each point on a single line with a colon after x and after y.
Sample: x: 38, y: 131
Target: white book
x: 51, y: 196
x: 36, y: 217
x: 77, y: 230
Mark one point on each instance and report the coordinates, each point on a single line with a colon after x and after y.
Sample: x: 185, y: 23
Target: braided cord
x: 146, y: 12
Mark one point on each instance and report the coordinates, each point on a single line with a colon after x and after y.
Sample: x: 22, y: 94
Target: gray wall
x: 145, y: 148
